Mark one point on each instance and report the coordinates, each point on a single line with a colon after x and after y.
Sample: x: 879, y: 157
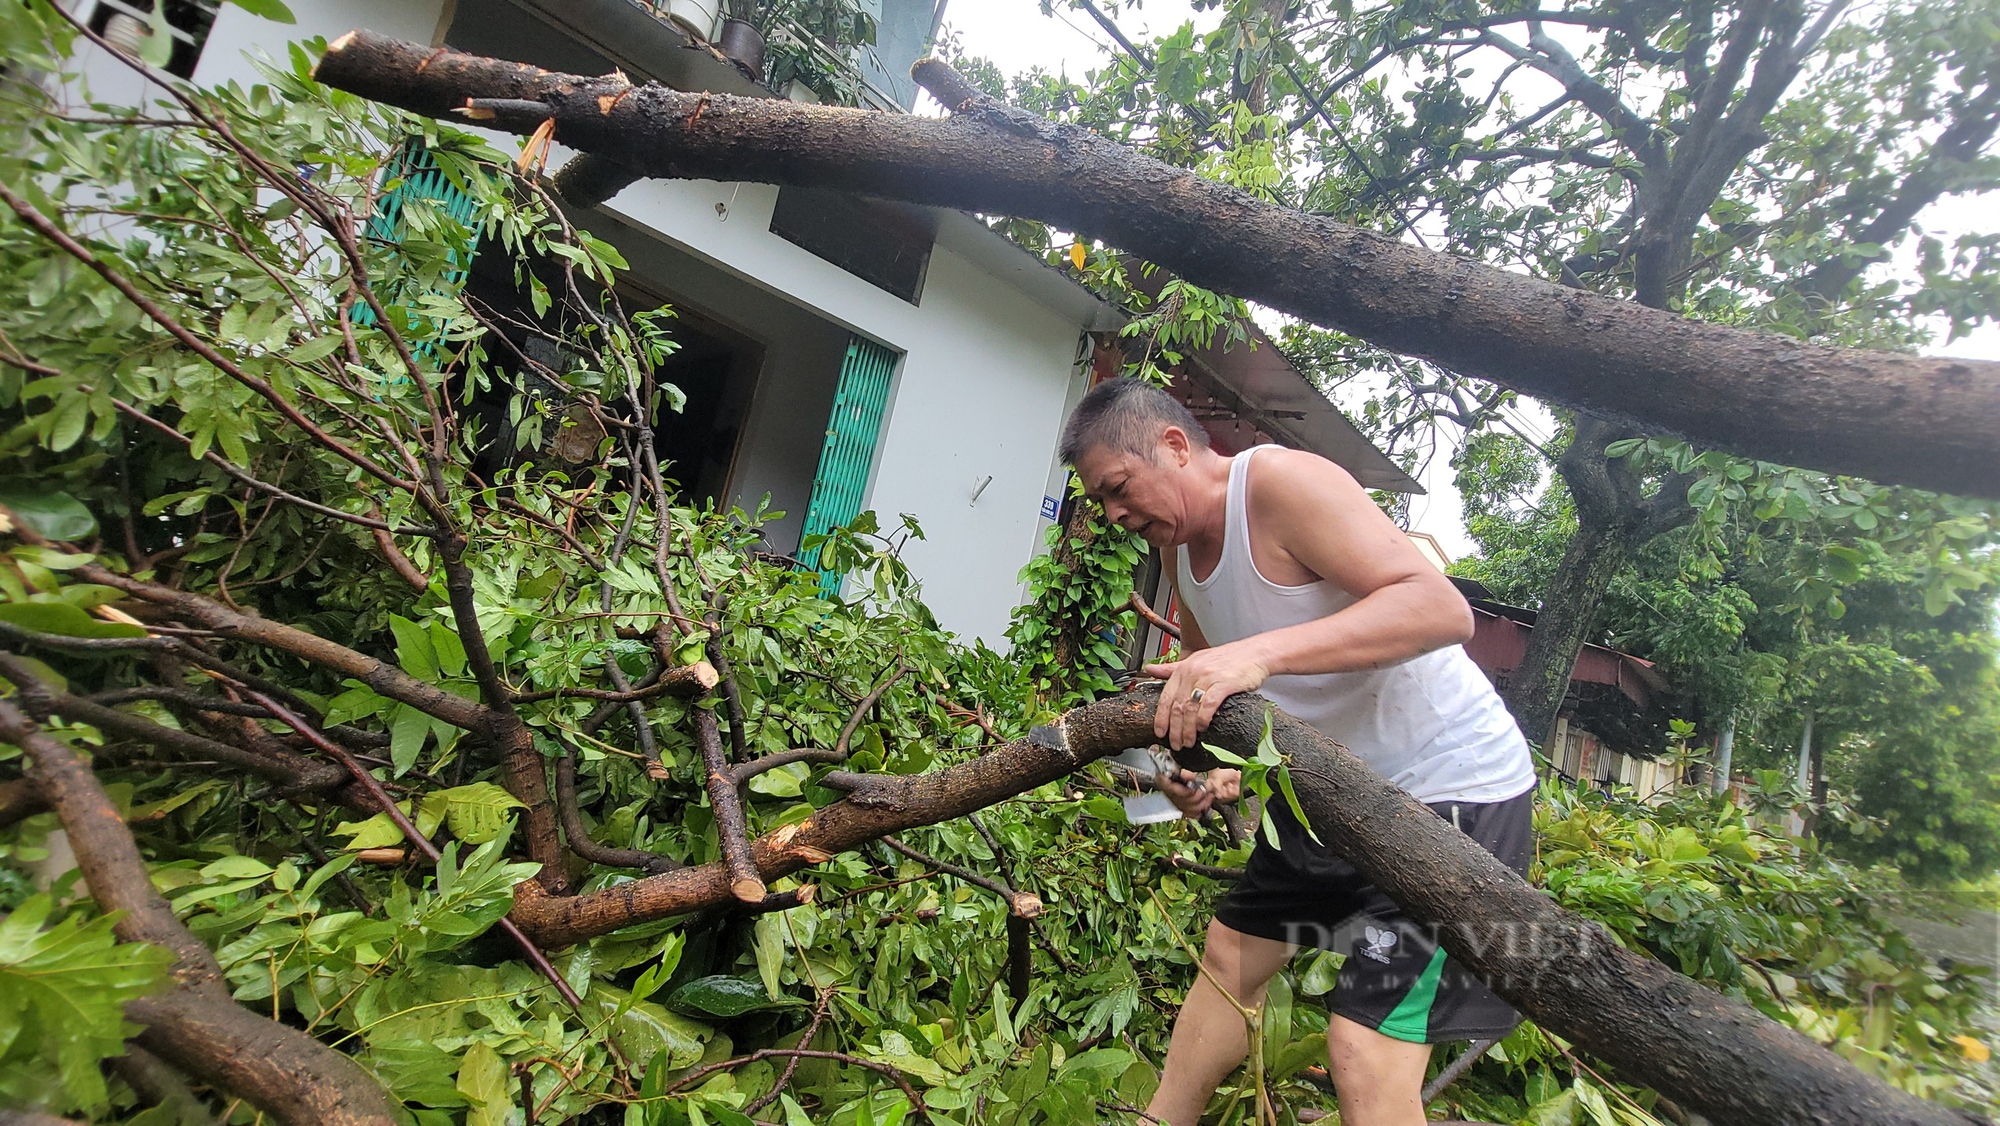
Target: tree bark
x: 1709, y: 1053
x: 195, y: 1025
x: 1929, y: 422
x: 1537, y: 686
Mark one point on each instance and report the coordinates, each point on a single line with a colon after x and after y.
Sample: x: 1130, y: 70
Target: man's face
x: 1140, y: 494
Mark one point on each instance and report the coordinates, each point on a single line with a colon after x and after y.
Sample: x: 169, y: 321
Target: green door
x: 413, y: 173
x: 849, y: 452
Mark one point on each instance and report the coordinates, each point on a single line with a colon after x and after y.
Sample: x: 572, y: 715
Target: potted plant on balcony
x: 837, y: 26
x: 697, y: 16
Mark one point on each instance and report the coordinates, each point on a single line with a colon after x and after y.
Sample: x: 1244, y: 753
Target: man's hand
x: 1194, y: 799
x: 1198, y: 683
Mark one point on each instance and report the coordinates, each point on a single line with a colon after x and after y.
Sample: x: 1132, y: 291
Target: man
x: 1293, y: 583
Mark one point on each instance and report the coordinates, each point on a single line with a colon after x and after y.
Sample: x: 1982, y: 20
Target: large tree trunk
x: 1897, y: 418
x: 1707, y: 1052
x: 1614, y: 519
x: 1537, y: 686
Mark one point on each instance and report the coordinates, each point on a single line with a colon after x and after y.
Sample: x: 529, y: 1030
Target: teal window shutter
x: 415, y: 173
x: 849, y: 452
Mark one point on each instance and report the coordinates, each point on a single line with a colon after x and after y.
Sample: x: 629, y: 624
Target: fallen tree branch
x: 159, y: 1085
x: 1025, y: 904
x: 684, y: 681
x: 1022, y: 908
x: 1712, y: 1054
x: 291, y: 773
x: 1898, y: 418
x: 579, y: 838
x: 19, y: 798
x: 1183, y: 864
x: 381, y: 677
x: 421, y: 843
x: 732, y: 831
x: 1456, y: 1069
x: 1140, y: 608
x: 854, y: 718
x: 792, y: 1065
x: 732, y: 698
x: 195, y: 1026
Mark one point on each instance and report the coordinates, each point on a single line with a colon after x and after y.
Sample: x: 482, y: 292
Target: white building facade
x: 840, y: 355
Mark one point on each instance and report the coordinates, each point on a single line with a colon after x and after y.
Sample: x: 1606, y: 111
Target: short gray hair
x: 1126, y: 416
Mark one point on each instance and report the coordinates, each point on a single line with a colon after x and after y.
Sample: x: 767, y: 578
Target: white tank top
x: 1433, y: 724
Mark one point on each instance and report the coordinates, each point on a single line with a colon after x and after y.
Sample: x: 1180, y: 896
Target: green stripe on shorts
x: 1411, y: 1019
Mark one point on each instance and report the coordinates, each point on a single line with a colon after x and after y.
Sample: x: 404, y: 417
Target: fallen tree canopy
x: 1712, y: 1054
x: 342, y: 607
x: 195, y: 1025
x: 1899, y: 419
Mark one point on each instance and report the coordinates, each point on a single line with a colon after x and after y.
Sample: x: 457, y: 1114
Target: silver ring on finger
x: 1194, y: 697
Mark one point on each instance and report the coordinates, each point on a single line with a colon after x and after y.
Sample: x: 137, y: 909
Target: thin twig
x: 422, y: 843
x: 792, y: 1065
x: 1139, y: 607
x: 1023, y: 903
x: 861, y: 709
x: 895, y: 1076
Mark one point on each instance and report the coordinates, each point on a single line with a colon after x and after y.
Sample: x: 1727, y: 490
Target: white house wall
x: 982, y: 393
x: 981, y: 390
x: 785, y: 424
x: 237, y: 32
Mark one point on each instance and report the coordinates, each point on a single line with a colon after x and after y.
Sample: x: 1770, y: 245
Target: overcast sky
x: 1016, y: 36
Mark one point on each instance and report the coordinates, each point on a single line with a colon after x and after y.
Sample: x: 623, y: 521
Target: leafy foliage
x: 1764, y: 616
x: 63, y: 989
x: 895, y: 972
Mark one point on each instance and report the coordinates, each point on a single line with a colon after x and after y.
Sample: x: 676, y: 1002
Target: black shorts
x: 1396, y: 979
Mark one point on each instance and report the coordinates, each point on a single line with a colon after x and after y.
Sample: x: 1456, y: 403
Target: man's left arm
x: 1317, y: 514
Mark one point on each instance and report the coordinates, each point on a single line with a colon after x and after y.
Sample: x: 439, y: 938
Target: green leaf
x: 475, y: 814
x: 236, y: 868
x: 62, y: 1004
x: 158, y: 48
x: 450, y: 651
x: 769, y: 934
x: 375, y: 832
x: 314, y: 350
x: 1292, y: 801
x: 484, y: 1080
x: 783, y: 782
x: 722, y: 995
x: 414, y: 651
x: 408, y: 728
x: 1844, y: 564
x: 648, y: 1031
x: 273, y: 10
x: 1320, y: 976
x: 1224, y: 754
x: 55, y: 515
x: 656, y: 975
x: 64, y: 619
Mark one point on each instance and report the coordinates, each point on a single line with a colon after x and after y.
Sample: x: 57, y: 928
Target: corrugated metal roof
x: 1255, y: 382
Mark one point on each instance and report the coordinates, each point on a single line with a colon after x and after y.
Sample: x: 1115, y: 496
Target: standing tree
x: 1744, y: 162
